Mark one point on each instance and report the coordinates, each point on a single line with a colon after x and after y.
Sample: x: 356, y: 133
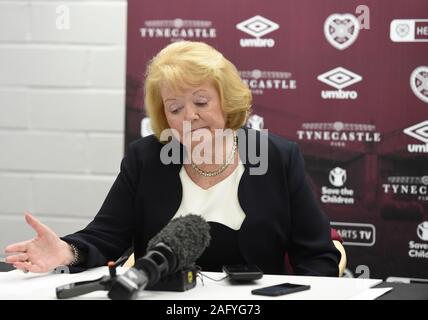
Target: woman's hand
x: 41, y: 254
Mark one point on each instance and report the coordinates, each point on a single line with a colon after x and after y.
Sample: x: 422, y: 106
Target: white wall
x: 62, y: 95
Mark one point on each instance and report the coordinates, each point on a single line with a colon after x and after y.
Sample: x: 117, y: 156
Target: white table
x: 17, y: 285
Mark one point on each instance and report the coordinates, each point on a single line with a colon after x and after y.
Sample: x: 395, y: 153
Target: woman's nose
x: 190, y: 113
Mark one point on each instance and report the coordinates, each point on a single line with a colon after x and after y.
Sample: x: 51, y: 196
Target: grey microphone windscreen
x: 187, y: 236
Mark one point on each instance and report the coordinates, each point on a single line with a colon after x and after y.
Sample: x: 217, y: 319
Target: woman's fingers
x: 23, y: 266
x: 27, y: 266
x: 17, y: 247
x: 36, y: 268
x: 39, y: 249
x: 17, y: 258
x: 39, y: 227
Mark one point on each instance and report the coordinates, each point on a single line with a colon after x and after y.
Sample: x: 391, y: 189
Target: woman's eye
x: 200, y: 103
x: 175, y: 110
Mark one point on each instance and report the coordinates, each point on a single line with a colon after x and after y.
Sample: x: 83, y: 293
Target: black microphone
x: 176, y: 246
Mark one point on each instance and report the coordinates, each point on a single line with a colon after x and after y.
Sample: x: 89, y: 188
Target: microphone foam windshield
x: 187, y: 236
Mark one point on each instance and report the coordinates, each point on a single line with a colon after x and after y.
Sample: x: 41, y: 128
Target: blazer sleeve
x: 312, y: 251
x: 110, y: 233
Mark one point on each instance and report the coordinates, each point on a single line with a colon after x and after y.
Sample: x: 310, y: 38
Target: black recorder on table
x: 242, y: 273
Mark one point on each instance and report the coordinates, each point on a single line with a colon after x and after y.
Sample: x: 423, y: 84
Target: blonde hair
x: 186, y: 63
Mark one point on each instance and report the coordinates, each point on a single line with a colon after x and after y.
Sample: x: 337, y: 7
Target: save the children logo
x: 337, y: 177
x: 422, y: 231
x: 339, y: 194
x: 419, y: 250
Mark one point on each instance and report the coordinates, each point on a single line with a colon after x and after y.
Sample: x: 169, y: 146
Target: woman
x: 195, y: 96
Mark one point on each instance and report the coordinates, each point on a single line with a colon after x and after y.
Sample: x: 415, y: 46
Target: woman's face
x: 193, y: 109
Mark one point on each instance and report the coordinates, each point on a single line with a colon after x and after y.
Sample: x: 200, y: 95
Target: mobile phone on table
x: 280, y: 289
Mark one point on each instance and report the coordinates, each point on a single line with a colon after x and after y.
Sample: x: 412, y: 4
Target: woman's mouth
x: 198, y: 129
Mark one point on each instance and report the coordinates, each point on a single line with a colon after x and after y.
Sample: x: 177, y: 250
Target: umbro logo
x: 339, y: 78
x: 418, y: 131
x: 257, y: 27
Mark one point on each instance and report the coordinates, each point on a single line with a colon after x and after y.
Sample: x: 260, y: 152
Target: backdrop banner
x: 347, y: 81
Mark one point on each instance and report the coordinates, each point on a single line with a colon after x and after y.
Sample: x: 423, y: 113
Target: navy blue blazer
x: 282, y: 214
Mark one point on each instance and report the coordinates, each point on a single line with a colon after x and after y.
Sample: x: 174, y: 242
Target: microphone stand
x: 83, y: 287
x: 181, y: 280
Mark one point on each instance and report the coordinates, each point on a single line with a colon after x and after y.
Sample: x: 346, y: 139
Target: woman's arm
x: 311, y: 251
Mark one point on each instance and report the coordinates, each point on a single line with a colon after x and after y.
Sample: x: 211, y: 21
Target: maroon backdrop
x: 349, y: 83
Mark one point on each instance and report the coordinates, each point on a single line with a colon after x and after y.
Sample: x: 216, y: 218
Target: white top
x: 218, y: 203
